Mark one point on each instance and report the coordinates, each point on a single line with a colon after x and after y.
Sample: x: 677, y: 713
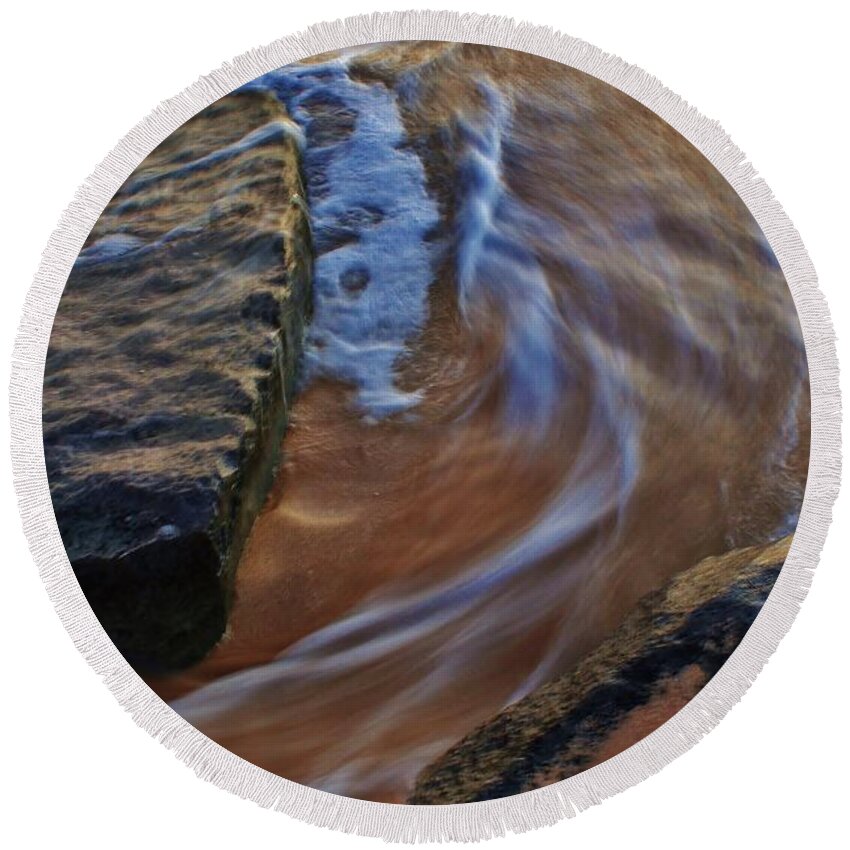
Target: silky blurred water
x: 553, y: 361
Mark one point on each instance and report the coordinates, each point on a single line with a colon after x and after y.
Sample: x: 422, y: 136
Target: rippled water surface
x: 552, y: 362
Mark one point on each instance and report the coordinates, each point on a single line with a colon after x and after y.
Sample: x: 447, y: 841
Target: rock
x: 169, y: 375
x: 656, y: 662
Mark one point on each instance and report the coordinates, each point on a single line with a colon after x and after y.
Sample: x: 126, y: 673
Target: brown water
x: 553, y: 362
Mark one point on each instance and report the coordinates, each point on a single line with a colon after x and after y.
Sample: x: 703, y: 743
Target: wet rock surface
x: 169, y: 372
x: 651, y: 667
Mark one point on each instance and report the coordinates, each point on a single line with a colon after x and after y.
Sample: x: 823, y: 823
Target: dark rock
x: 169, y: 372
x: 264, y: 307
x: 653, y: 665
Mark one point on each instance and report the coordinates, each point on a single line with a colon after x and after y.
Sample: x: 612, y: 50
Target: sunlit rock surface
x: 169, y: 372
x: 652, y: 666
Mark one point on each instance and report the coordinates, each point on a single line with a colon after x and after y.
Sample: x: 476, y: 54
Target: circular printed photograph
x: 426, y: 422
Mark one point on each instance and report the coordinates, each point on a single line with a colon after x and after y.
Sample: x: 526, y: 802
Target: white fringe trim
x: 472, y: 821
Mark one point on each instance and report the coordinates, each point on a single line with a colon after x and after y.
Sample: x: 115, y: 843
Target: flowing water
x: 552, y: 362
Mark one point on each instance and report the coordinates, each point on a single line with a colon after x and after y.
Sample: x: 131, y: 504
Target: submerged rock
x: 169, y: 373
x: 655, y: 663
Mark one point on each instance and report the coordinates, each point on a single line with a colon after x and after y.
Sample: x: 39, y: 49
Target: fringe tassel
x: 473, y: 821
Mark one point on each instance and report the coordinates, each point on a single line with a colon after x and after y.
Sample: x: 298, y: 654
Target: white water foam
x: 370, y: 215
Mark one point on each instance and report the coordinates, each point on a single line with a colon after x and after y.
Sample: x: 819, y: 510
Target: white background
x: 77, y: 76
